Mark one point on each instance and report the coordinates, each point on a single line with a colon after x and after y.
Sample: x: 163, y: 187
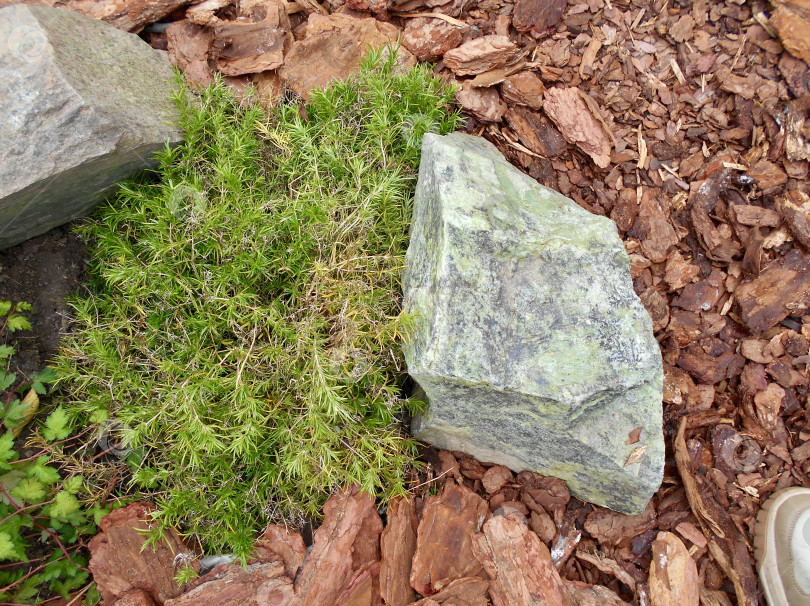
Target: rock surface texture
x: 531, y: 346
x: 82, y: 106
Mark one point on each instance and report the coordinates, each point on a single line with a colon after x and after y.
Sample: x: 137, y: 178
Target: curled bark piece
x: 726, y: 545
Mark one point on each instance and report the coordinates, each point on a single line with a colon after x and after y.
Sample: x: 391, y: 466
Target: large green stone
x: 531, y: 345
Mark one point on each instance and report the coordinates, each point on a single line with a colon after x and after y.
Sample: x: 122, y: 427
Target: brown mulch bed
x: 684, y: 122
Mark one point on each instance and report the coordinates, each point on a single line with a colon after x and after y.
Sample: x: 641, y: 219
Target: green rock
x: 83, y: 106
x: 531, y: 346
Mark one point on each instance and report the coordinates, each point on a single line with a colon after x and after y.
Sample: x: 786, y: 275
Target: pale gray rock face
x: 82, y: 106
x: 531, y: 345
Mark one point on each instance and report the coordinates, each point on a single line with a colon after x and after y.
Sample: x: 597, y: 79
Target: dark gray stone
x: 530, y: 343
x: 82, y: 106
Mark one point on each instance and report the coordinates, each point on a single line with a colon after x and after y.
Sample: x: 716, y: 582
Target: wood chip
x: 249, y: 48
x: 608, y: 566
x: 480, y: 55
x: 782, y: 289
x: 791, y: 20
x: 523, y: 88
x: 397, y: 546
x: 593, y: 595
x: 429, y: 38
x: 578, y: 124
x: 725, y: 544
x: 612, y: 528
x: 345, y: 547
x: 445, y: 538
x: 530, y: 15
x: 519, y: 565
x: 794, y: 207
x: 673, y: 573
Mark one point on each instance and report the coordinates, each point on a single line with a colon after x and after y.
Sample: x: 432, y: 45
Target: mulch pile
x: 686, y: 123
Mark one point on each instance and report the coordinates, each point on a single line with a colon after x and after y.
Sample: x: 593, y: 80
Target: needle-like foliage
x: 244, y: 322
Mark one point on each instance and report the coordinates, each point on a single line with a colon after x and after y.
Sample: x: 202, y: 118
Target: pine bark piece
x: 711, y: 360
x: 543, y: 526
x: 593, y: 595
x: 444, y: 546
x: 536, y: 132
x: 333, y: 49
x: 726, y: 545
x: 483, y: 103
x: 250, y: 48
x: 279, y: 544
x: 767, y: 174
x: 127, y: 15
x: 782, y: 289
x: 364, y: 589
x: 120, y: 563
x: 791, y: 20
x: 203, y: 13
x: 397, y: 545
x: 673, y: 573
x: 480, y: 55
x: 136, y: 597
x: 260, y: 584
x: 469, y: 591
x: 428, y: 39
x: 189, y: 45
x: 575, y: 118
x: 652, y: 226
x: 795, y: 209
x: 347, y: 542
x: 537, y: 15
x: 519, y: 565
x: 702, y: 295
x: 524, y: 88
x: 612, y: 528
x: 496, y: 478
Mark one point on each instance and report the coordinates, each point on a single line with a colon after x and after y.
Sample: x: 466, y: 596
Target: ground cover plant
x: 42, y: 517
x: 242, y: 335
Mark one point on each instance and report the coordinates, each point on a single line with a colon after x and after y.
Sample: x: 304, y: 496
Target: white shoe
x: 782, y: 547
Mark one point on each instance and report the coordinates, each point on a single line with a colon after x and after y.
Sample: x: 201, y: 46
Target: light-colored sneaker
x: 782, y: 547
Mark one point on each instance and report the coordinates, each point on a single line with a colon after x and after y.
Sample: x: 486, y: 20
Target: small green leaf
x: 29, y: 490
x: 6, y: 351
x: 56, y: 426
x: 43, y: 378
x: 5, y: 307
x: 43, y: 473
x: 65, y: 504
x: 73, y: 484
x: 7, y: 452
x: 98, y: 513
x: 15, y: 413
x: 17, y: 322
x: 8, y: 549
x: 99, y: 415
x: 7, y: 380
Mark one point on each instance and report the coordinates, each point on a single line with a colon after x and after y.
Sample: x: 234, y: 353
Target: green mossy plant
x: 246, y: 310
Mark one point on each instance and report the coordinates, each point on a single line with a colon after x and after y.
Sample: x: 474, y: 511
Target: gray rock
x: 82, y: 106
x: 531, y: 346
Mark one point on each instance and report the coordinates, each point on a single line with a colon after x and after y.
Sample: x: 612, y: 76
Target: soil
x: 43, y: 271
